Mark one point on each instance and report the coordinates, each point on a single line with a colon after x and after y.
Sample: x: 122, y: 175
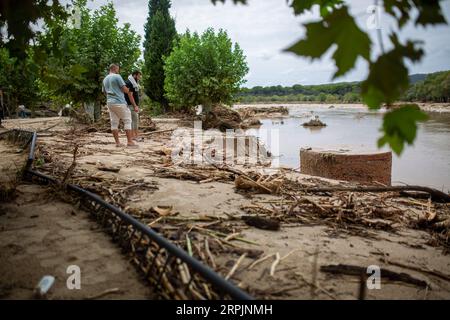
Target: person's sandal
x: 132, y: 146
x: 120, y: 145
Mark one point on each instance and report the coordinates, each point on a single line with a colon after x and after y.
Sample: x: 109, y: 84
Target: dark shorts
x: 134, y: 118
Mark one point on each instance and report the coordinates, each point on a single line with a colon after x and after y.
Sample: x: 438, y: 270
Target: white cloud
x: 264, y: 28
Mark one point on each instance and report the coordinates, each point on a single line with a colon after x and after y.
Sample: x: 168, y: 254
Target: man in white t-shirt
x: 114, y: 87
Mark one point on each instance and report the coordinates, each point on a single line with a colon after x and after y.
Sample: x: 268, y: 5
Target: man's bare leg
x: 116, y: 136
x: 129, y: 134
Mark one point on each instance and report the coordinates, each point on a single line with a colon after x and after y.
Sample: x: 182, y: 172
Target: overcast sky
x: 263, y: 28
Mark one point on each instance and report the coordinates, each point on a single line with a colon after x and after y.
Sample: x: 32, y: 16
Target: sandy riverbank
x: 42, y: 235
x: 206, y: 205
x: 428, y: 107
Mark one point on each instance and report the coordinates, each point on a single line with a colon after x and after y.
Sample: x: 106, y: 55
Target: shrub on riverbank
x: 204, y: 70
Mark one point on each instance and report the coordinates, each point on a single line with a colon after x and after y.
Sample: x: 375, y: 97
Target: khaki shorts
x: 134, y: 118
x: 119, y: 112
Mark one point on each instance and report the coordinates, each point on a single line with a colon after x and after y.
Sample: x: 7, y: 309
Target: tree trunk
x: 97, y: 111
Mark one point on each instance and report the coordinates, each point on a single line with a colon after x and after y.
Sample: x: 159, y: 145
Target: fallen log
x: 108, y: 169
x: 434, y: 273
x: 261, y: 223
x: 362, y: 271
x: 48, y: 128
x: 104, y: 293
x: 242, y: 182
x: 156, y: 132
x: 435, y: 194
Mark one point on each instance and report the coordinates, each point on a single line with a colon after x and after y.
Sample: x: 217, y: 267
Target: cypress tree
x: 159, y: 35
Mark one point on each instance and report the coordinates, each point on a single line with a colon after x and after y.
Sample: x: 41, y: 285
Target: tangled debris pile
x: 351, y: 211
x: 316, y: 122
x: 221, y: 117
x: 248, y: 113
x: 357, y: 213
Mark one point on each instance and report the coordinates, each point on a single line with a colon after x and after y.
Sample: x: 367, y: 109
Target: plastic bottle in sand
x: 44, y: 286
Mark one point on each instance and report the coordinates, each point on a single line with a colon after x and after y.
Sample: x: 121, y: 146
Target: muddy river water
x: 426, y: 162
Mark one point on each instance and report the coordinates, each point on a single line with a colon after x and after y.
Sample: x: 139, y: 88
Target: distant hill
x: 414, y: 78
x: 435, y: 87
x: 348, y: 92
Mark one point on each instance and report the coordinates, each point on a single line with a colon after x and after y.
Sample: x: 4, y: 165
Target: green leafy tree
x: 160, y: 33
x: 18, y: 81
x: 387, y: 80
x: 206, y: 70
x: 18, y: 71
x: 322, y: 97
x: 84, y: 53
x: 351, y: 97
x: 17, y: 20
x: 435, y: 88
x: 304, y: 93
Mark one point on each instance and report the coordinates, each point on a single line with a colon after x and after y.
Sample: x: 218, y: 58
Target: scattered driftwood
x: 260, y: 260
x: 362, y: 271
x: 434, y: 273
x: 109, y: 169
x: 415, y: 194
x: 2, y: 228
x: 246, y: 183
x: 436, y: 195
x: 274, y: 264
x: 156, y: 132
x: 91, y: 129
x: 251, y: 123
x: 250, y: 113
x: 69, y: 171
x: 251, y: 253
x: 315, y: 285
x: 163, y: 210
x: 262, y: 223
x: 227, y: 168
x: 104, y: 293
x: 210, y: 256
x: 280, y: 109
x: 236, y: 265
x: 201, y: 175
x: 48, y: 128
x: 147, y: 128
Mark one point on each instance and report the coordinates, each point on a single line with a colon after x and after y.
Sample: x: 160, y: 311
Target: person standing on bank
x: 133, y: 86
x: 114, y: 87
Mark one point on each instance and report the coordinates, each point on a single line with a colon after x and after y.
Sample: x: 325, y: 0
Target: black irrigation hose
x: 206, y: 272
